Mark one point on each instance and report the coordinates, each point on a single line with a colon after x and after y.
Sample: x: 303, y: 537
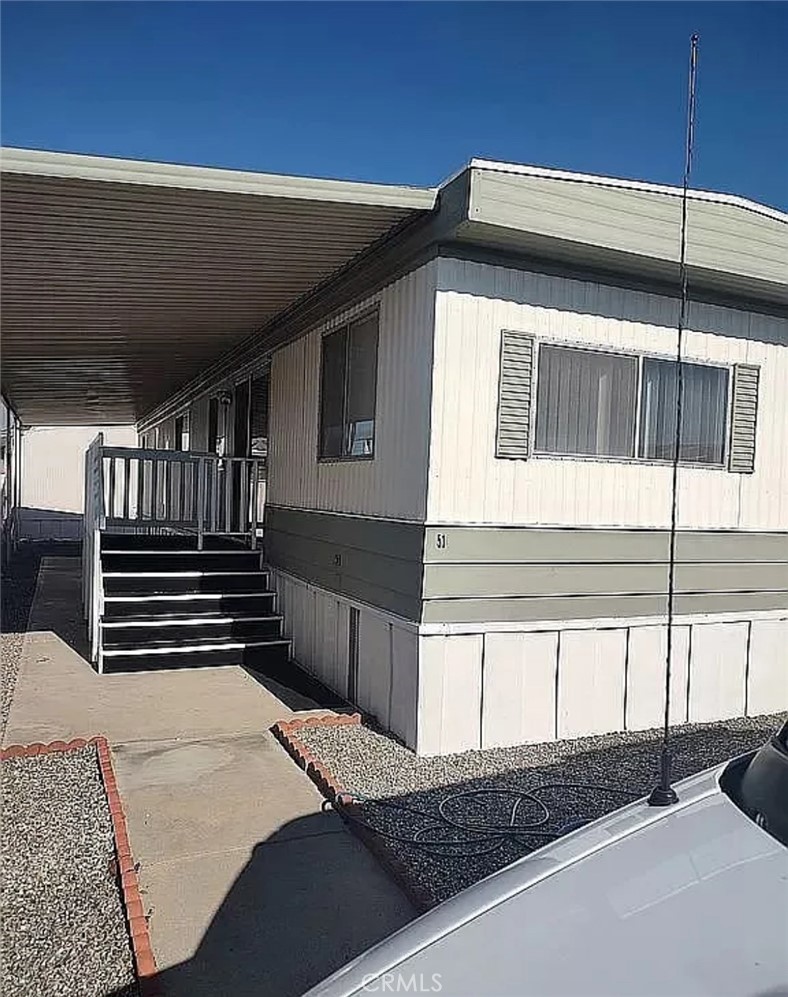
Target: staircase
x: 166, y: 604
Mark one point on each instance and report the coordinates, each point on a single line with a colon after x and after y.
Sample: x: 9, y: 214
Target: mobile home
x: 452, y: 414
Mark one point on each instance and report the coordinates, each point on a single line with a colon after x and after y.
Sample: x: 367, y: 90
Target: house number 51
x: 440, y: 541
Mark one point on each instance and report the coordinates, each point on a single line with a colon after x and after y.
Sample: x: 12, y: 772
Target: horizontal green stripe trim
x: 513, y: 544
x: 375, y: 561
x: 501, y: 580
x: 594, y: 607
x: 391, y: 538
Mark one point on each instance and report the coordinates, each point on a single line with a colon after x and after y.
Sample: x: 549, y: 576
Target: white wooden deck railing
x: 91, y: 539
x: 149, y: 491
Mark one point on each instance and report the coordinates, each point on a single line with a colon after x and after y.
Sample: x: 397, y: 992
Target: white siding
x: 718, y: 671
x: 645, y: 681
x: 468, y: 484
x: 450, y: 685
x: 394, y: 483
x: 519, y: 686
x: 317, y: 623
x: 53, y: 477
x: 511, y: 687
x: 591, y: 677
x: 374, y: 666
x: 767, y: 675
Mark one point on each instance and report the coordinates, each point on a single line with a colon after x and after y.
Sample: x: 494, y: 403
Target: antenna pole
x: 663, y: 794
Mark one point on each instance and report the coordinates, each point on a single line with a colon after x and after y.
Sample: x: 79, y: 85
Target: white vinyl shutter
x: 515, y: 387
x: 744, y: 416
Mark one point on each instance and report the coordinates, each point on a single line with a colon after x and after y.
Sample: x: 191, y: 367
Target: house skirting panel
x: 318, y: 622
x: 503, y: 687
x: 442, y: 693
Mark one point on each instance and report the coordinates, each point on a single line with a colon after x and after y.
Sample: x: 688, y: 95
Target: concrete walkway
x: 250, y: 886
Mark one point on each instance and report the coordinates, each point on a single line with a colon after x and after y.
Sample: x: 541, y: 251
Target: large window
x: 347, y: 390
x: 591, y: 403
x: 703, y: 411
x: 586, y: 402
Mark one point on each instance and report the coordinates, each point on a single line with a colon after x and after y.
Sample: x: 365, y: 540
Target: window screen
x: 704, y: 407
x: 362, y: 377
x: 585, y: 402
x: 348, y: 389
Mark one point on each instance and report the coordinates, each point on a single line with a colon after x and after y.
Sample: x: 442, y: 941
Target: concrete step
x: 178, y: 582
x: 184, y: 630
x: 181, y: 559
x: 130, y: 606
x: 257, y: 654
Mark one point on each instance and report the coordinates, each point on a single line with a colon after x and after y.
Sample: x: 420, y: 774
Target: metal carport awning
x: 121, y: 280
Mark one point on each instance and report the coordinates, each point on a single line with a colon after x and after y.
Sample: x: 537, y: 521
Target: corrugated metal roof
x: 121, y: 280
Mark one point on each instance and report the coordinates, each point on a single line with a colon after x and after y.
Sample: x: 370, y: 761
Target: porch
x: 129, y: 286
x: 172, y: 571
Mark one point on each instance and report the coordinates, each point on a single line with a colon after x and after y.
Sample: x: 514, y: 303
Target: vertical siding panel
x: 645, y: 697
x: 717, y: 671
x: 374, y: 665
x: 519, y: 688
x: 468, y: 483
x: 449, y: 694
x: 394, y: 483
x: 767, y: 674
x: 591, y: 682
x: 404, y: 684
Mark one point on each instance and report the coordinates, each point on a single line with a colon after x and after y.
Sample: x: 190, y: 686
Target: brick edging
x: 346, y: 805
x: 139, y: 933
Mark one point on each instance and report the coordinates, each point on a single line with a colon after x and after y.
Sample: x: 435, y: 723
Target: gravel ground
x: 63, y: 927
x: 375, y: 766
x: 10, y: 656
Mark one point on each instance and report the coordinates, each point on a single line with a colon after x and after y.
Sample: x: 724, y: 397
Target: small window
x: 213, y: 425
x: 258, y: 416
x: 586, y: 402
x: 703, y: 415
x: 182, y: 432
x: 348, y: 384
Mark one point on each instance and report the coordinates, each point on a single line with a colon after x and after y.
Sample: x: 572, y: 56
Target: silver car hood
x: 686, y: 900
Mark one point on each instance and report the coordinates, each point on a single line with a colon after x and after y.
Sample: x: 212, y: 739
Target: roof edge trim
x: 734, y: 200
x: 65, y: 165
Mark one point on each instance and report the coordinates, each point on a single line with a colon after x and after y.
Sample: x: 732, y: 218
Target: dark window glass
x: 704, y: 407
x: 332, y: 393
x: 586, y: 402
x: 348, y: 386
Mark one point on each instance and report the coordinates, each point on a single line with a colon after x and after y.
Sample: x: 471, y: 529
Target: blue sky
x: 405, y: 92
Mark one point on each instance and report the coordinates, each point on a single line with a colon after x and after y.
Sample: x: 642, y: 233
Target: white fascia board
x: 640, y: 185
x: 34, y: 162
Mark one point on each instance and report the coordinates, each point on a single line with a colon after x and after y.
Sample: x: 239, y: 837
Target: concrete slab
x: 171, y: 790
x: 59, y: 695
x: 252, y: 887
x: 298, y: 908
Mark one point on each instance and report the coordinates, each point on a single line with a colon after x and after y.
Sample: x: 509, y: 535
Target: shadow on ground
x: 414, y: 816
x: 292, y: 915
